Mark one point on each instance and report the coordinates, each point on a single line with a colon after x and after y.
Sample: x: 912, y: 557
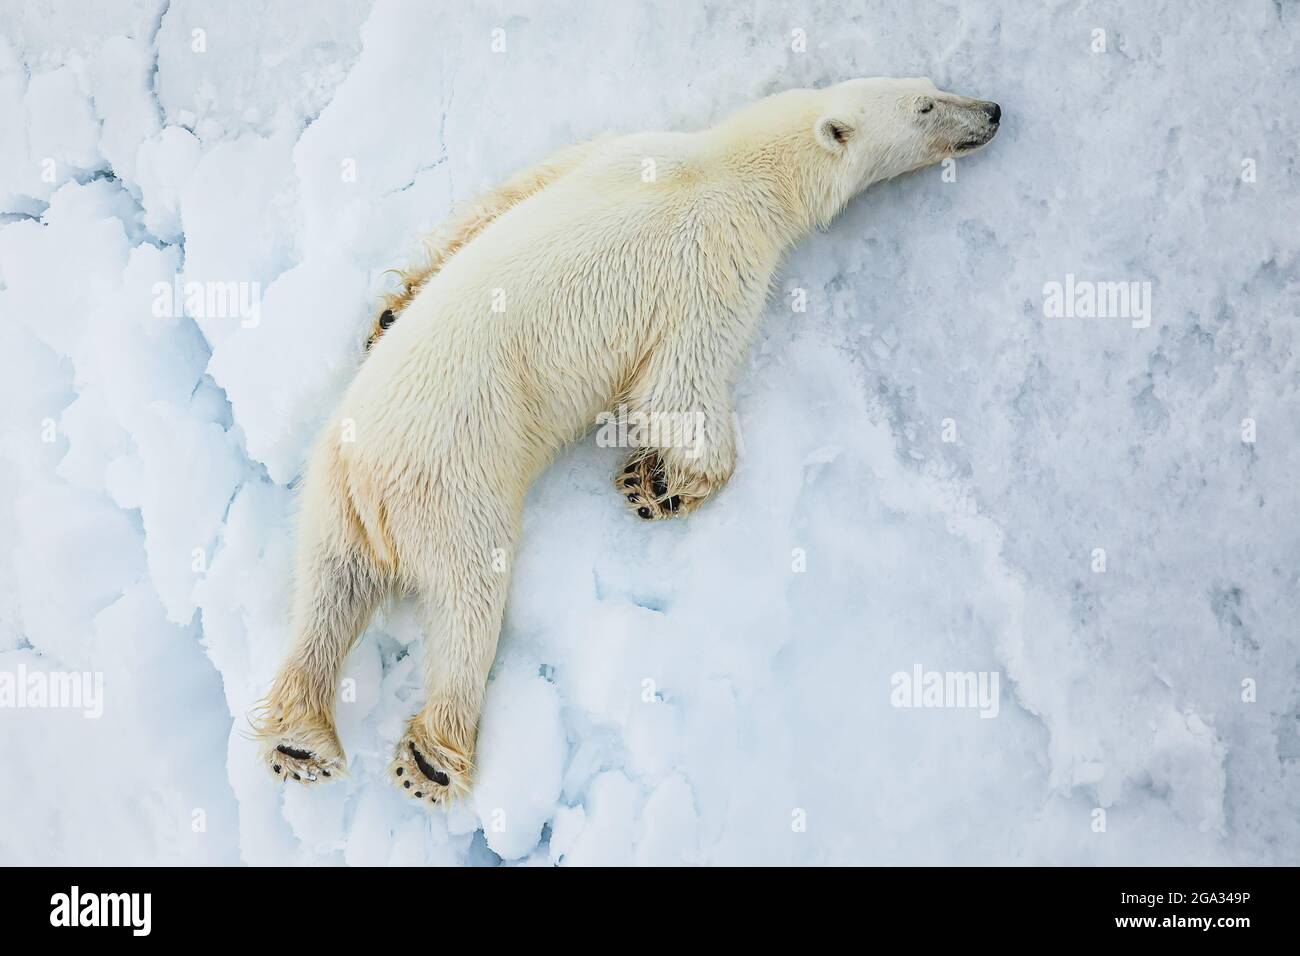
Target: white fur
x: 614, y: 290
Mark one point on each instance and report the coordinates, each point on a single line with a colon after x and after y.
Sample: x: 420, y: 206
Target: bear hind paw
x: 429, y: 772
x: 293, y: 760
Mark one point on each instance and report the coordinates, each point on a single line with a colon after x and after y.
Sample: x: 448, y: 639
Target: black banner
x: 1149, y: 905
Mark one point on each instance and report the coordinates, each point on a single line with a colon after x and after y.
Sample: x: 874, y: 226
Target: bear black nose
x: 994, y: 112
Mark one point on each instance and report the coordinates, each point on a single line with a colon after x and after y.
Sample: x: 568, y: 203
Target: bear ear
x: 833, y: 134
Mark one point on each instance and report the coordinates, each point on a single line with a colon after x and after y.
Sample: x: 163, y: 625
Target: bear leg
x: 463, y: 600
x: 338, y: 584
x: 295, y: 722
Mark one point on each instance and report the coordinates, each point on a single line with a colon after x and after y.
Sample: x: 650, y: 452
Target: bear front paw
x: 651, y: 492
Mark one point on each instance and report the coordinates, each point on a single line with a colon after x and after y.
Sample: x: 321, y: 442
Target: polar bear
x: 625, y: 272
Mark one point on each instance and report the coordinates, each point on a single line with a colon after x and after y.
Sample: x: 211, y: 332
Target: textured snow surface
x: 929, y: 462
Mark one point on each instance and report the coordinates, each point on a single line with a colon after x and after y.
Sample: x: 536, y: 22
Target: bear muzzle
x: 981, y: 119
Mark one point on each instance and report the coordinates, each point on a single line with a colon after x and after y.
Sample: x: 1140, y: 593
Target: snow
x: 522, y: 746
x: 929, y: 464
